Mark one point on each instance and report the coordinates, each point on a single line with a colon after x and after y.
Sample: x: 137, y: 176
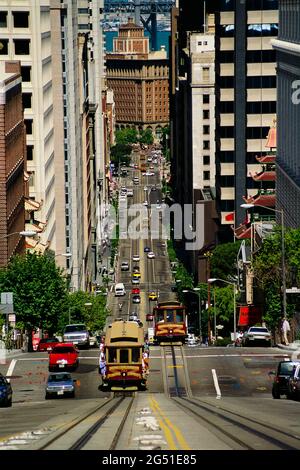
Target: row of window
x: 252, y: 107
x: 227, y: 132
x: 251, y: 82
x: 21, y: 46
x: 252, y: 57
x: 227, y: 156
x: 20, y: 19
x: 229, y: 5
x: 253, y: 30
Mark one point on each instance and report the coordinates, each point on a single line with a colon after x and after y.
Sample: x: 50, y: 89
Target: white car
x: 150, y: 255
x: 145, y: 203
x: 257, y: 334
x: 135, y: 258
x: 129, y: 193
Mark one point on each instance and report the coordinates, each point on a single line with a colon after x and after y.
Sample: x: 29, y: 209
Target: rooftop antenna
x: 204, y: 15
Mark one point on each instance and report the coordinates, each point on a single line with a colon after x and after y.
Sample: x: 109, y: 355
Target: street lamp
x: 23, y: 233
x: 214, y: 279
x: 197, y: 291
x: 66, y: 255
x: 280, y: 211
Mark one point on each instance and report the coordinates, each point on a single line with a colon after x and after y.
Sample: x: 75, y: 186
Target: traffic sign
x: 293, y: 290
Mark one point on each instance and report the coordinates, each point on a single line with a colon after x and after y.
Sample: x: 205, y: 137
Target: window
x: 29, y: 151
x: 205, y: 129
x: 205, y: 99
x: 206, y: 175
x: 206, y: 144
x: 261, y: 107
x: 204, y: 43
x: 267, y: 29
x: 3, y: 46
x: 26, y: 99
x: 261, y: 56
x: 135, y: 354
x: 21, y: 19
x: 226, y: 106
x: 226, y: 30
x: 22, y: 46
x: 26, y: 73
x: 206, y: 73
x: 205, y: 114
x: 28, y: 125
x: 199, y: 43
x: 124, y: 356
x: 32, y: 179
x: 3, y: 19
x: 206, y: 159
x: 112, y: 355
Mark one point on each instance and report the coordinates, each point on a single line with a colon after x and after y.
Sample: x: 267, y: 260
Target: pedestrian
x: 285, y: 328
x: 102, y: 363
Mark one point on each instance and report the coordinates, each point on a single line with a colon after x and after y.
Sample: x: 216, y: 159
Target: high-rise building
x: 246, y: 102
x: 139, y: 80
x: 12, y: 162
x: 288, y: 115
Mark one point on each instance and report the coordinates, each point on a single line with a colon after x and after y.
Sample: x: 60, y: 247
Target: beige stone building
x: 139, y: 80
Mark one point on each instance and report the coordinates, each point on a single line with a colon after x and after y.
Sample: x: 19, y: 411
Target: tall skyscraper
x: 288, y: 116
x: 246, y: 102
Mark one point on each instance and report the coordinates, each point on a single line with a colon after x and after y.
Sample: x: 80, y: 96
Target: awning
x: 249, y: 315
x: 35, y: 246
x: 31, y: 205
x: 36, y: 226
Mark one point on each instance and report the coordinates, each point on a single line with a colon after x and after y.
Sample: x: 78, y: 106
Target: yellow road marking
x: 180, y: 439
x: 174, y: 366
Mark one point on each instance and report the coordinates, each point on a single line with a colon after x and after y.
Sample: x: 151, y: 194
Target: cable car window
x: 135, y: 355
x: 169, y: 316
x: 124, y: 356
x: 179, y: 316
x: 112, y: 355
x: 160, y: 315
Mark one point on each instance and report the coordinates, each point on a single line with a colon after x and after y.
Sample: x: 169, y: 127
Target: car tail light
x: 123, y: 374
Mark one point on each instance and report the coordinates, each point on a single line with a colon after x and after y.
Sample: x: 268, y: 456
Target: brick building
x: 139, y: 80
x: 12, y: 162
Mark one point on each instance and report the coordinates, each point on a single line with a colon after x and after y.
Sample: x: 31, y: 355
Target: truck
x: 77, y: 334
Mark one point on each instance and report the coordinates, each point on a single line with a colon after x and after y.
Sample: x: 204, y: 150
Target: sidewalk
x: 292, y: 347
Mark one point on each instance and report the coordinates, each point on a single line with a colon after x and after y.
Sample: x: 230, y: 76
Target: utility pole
x: 208, y: 255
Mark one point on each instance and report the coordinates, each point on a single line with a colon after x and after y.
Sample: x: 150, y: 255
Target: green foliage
x: 127, y: 136
x: 224, y: 303
x: 93, y: 316
x: 39, y: 288
x: 120, y: 153
x: 223, y: 260
x: 146, y: 137
x: 223, y: 342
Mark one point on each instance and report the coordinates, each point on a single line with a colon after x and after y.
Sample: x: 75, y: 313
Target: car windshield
x: 71, y: 328
x: 62, y: 350
x: 259, y: 330
x: 59, y: 377
x: 286, y: 368
x: 2, y: 381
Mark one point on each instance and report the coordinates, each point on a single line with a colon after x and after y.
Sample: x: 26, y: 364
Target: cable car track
x: 98, y: 417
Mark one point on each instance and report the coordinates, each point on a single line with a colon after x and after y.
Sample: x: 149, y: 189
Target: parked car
x: 47, y: 344
x: 136, y: 258
x: 5, y: 392
x: 124, y: 266
x: 294, y: 383
x: 60, y: 384
x: 150, y: 255
x: 135, y: 280
x: 77, y: 334
x: 256, y: 334
x: 93, y: 340
x: 281, y: 378
x: 63, y: 356
x: 136, y: 299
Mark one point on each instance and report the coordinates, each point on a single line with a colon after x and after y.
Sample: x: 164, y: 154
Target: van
x: 120, y: 289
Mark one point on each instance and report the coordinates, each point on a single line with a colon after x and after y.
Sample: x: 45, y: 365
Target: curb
x: 288, y: 348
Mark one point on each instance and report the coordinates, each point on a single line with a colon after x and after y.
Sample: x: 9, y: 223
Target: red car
x: 47, y: 344
x: 63, y: 356
x: 135, y: 290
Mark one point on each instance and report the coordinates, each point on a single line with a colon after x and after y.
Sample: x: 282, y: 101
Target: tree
x: 40, y: 291
x: 223, y: 260
x: 93, y: 315
x: 120, y: 153
x: 127, y: 136
x: 146, y: 137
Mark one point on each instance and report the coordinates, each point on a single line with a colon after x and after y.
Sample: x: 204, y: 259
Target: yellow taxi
x: 152, y: 296
x: 136, y: 275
